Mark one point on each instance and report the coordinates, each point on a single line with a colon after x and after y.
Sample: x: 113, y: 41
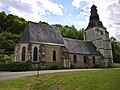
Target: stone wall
x: 80, y: 61
x: 46, y: 60
x: 18, y: 52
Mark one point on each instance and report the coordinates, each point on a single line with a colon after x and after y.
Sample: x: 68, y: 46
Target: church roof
x: 80, y: 46
x: 41, y: 33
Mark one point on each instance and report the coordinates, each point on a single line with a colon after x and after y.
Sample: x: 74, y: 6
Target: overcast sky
x: 66, y: 12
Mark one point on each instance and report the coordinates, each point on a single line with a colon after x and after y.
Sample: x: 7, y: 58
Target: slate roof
x: 41, y: 33
x: 80, y: 46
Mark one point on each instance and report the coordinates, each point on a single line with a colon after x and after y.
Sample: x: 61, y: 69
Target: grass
x: 85, y: 80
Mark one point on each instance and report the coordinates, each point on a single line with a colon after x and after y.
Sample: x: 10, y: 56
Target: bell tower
x: 99, y: 36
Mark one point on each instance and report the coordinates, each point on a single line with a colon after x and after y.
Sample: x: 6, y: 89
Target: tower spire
x: 94, y: 18
x: 94, y: 15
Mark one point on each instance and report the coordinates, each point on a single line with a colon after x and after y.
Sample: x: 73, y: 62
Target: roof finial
x: 93, y: 2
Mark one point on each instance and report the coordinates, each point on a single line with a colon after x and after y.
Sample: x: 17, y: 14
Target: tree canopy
x: 115, y: 50
x: 71, y: 32
x: 11, y: 28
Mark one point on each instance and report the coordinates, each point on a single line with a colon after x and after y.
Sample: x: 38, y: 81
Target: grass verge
x: 85, y: 80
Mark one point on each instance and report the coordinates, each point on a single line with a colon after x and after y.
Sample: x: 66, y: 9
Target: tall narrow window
x: 93, y: 59
x: 54, y: 55
x: 75, y: 59
x: 35, y: 54
x: 23, y: 53
x: 85, y: 60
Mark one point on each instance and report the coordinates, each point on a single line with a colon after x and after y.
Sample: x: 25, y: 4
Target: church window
x: 23, y: 53
x: 85, y: 60
x: 101, y: 32
x: 75, y: 59
x: 54, y: 55
x: 93, y: 59
x: 35, y: 54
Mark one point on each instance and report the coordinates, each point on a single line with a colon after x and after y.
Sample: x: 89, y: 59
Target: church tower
x: 99, y: 36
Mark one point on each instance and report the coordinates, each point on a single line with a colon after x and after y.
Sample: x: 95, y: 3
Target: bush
x: 72, y: 66
x: 54, y: 67
x: 116, y: 65
x: 15, y: 66
x: 96, y: 66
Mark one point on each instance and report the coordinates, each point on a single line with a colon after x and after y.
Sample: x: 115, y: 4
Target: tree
x: 115, y: 50
x: 8, y: 40
x: 11, y: 28
x: 71, y: 32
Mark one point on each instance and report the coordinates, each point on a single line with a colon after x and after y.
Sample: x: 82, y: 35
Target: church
x: 44, y: 46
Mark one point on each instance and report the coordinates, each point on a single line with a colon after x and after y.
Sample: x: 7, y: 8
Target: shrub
x: 15, y: 66
x: 96, y: 66
x: 116, y: 65
x: 72, y: 66
x: 54, y: 67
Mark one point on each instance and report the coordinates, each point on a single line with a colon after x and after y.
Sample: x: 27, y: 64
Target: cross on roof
x: 93, y: 2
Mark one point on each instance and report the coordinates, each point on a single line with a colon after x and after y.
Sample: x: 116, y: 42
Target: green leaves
x: 8, y: 40
x: 11, y: 23
x: 115, y: 50
x: 71, y: 32
x: 11, y: 27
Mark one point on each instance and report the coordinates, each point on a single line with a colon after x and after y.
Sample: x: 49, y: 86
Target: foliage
x: 11, y: 28
x: 43, y: 22
x: 8, y: 40
x: 116, y: 65
x: 115, y: 50
x: 85, y: 80
x: 14, y: 66
x: 54, y: 67
x: 72, y: 66
x: 11, y: 23
x: 6, y: 59
x: 97, y: 66
x: 71, y: 32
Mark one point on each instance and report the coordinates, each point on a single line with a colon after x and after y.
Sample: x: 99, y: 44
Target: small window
x: 85, y: 60
x: 35, y: 54
x: 75, y: 59
x: 93, y: 59
x: 54, y: 55
x: 101, y: 32
x: 23, y: 53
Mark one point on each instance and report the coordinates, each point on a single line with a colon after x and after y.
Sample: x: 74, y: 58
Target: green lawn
x: 85, y: 80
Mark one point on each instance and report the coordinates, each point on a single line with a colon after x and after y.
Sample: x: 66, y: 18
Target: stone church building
x: 44, y: 45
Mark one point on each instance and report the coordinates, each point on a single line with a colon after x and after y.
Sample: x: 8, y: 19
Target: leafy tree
x: 71, y: 32
x: 11, y: 23
x: 8, y: 40
x: 115, y: 50
x: 11, y: 28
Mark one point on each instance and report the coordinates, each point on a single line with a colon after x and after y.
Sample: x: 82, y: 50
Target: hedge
x: 15, y: 66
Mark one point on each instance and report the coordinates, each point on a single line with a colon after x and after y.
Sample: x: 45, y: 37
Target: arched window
x: 85, y: 60
x: 35, y: 54
x: 54, y: 55
x: 75, y: 59
x: 23, y: 53
x: 93, y: 59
